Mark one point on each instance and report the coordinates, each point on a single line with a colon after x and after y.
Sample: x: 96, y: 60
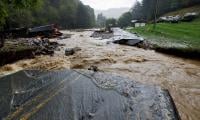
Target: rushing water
x: 180, y: 76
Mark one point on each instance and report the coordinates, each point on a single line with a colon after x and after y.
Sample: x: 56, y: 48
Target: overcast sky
x: 106, y: 4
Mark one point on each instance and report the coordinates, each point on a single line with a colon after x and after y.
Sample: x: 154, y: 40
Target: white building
x: 138, y: 23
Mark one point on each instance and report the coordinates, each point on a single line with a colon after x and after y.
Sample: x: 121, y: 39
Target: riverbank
x: 15, y: 50
x: 25, y: 48
x: 181, y: 39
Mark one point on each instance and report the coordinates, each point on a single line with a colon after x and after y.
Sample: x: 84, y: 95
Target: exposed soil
x: 15, y: 50
x: 180, y: 52
x: 23, y: 48
x: 180, y: 76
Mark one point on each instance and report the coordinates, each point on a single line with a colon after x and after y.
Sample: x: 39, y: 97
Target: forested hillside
x: 65, y: 13
x: 147, y: 9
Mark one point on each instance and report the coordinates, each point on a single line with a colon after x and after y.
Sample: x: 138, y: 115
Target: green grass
x: 181, y: 35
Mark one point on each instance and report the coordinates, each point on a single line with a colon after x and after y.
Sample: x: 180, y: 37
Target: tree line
x: 28, y: 13
x: 147, y: 9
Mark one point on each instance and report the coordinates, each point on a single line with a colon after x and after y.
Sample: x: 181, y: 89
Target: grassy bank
x: 181, y: 38
x: 186, y: 35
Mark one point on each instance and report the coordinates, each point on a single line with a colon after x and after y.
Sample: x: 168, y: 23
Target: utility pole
x: 155, y: 13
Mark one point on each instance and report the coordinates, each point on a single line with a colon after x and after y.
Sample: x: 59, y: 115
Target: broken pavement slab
x: 102, y: 35
x: 81, y: 94
x: 122, y: 34
x: 119, y: 36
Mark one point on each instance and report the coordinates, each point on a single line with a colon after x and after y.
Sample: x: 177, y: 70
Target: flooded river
x: 180, y: 76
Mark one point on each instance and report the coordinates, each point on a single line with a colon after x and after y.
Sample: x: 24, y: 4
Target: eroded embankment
x: 14, y: 50
x: 189, y: 53
x: 180, y: 76
x: 23, y: 48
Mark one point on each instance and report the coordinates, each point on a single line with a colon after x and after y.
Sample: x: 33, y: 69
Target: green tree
x: 137, y: 12
x: 101, y: 20
x: 19, y: 18
x: 27, y: 13
x: 145, y: 9
x: 125, y: 20
x: 85, y: 16
x: 3, y: 13
x: 5, y: 5
x: 111, y: 22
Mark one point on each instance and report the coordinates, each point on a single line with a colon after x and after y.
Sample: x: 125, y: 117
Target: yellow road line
x: 38, y: 107
x: 20, y: 109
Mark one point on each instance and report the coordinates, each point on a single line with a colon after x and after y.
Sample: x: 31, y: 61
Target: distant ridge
x: 113, y: 12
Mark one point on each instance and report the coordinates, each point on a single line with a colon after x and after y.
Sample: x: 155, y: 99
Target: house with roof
x: 138, y: 23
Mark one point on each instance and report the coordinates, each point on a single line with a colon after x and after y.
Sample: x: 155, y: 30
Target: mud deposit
x: 180, y: 76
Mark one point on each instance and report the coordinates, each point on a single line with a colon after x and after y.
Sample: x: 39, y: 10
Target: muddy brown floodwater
x: 180, y: 76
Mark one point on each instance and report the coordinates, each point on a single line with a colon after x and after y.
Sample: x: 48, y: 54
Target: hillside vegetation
x: 145, y: 10
x: 174, y: 38
x: 64, y: 13
x: 175, y: 35
x: 184, y: 34
x: 181, y: 12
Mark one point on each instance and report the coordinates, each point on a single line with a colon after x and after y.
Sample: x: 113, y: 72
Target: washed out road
x: 180, y: 76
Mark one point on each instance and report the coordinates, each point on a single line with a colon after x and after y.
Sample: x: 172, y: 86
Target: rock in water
x: 76, y: 94
x: 71, y: 51
x: 93, y: 68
